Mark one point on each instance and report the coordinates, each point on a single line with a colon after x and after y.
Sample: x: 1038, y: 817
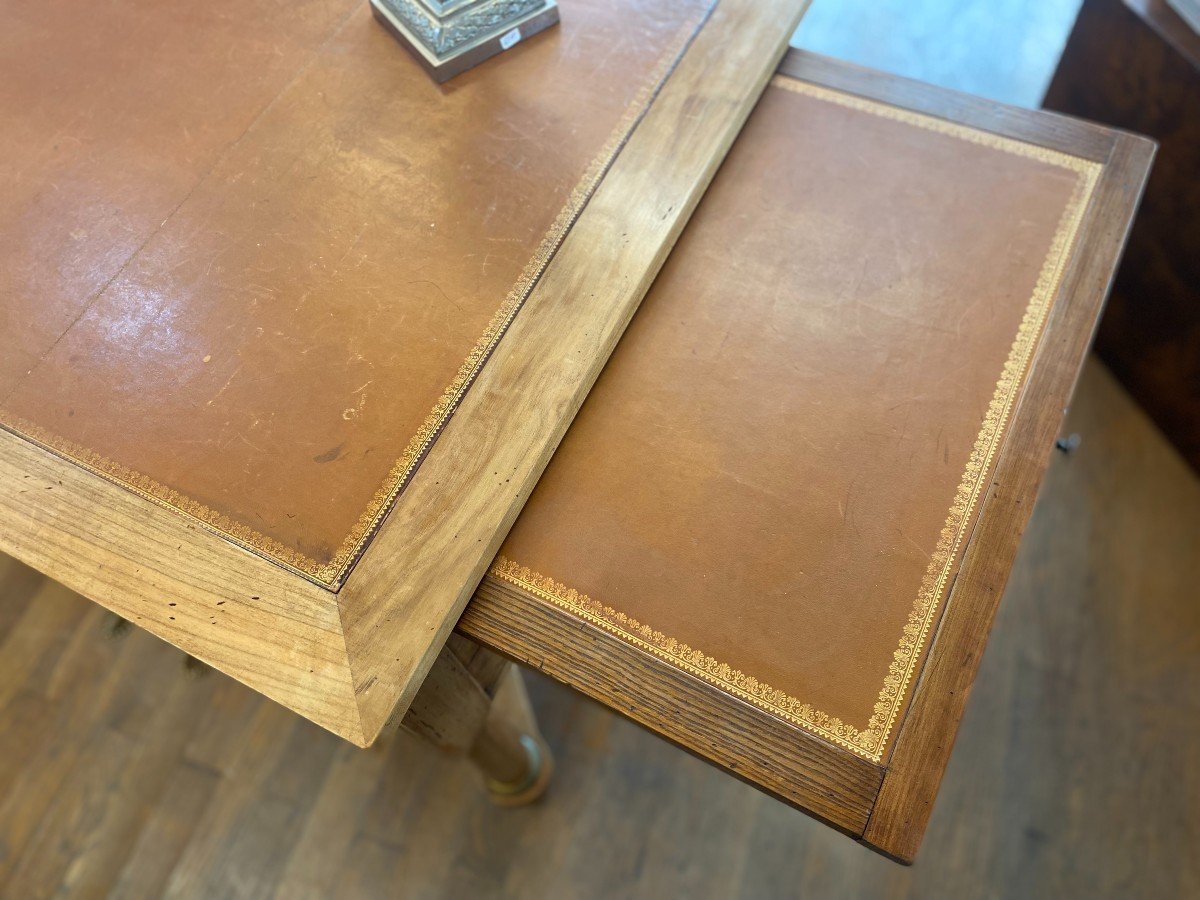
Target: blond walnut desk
x: 288, y: 354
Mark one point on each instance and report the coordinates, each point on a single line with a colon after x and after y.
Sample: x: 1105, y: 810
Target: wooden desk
x: 994, y: 235
x: 778, y: 529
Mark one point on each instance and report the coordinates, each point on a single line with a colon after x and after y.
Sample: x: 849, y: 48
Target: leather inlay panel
x: 101, y: 139
x: 771, y: 483
x: 284, y: 345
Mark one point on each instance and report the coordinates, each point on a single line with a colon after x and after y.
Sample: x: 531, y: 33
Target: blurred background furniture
x: 1136, y: 64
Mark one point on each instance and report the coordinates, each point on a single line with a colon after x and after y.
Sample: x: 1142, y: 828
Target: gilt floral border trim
x: 871, y: 741
x: 332, y: 574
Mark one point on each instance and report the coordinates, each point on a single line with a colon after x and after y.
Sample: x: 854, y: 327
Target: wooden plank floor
x: 1077, y: 772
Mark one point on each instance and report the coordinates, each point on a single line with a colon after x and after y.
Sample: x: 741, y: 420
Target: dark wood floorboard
x: 1077, y: 773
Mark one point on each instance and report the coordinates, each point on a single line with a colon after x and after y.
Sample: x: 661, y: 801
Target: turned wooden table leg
x: 510, y: 750
x: 474, y: 703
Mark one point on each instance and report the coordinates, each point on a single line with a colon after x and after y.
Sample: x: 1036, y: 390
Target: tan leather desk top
x: 248, y: 271
x: 771, y: 482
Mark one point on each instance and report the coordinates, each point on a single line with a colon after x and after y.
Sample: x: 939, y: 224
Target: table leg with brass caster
x: 474, y: 704
x: 510, y: 751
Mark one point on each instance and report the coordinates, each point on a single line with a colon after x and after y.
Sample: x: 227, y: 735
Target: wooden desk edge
x: 926, y: 737
x: 271, y: 630
x: 438, y: 541
x: 885, y: 806
x: 825, y: 781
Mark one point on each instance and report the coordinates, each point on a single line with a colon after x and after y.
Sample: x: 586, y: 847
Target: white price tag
x: 509, y: 39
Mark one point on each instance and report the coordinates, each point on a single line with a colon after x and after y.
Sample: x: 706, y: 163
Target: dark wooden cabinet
x: 1135, y: 64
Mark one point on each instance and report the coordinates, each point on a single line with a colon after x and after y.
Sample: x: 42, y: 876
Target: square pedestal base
x: 470, y: 53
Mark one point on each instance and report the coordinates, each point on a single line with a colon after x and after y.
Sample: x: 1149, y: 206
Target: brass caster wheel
x: 525, y: 790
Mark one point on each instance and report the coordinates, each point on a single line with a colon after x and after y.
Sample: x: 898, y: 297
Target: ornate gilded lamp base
x: 450, y: 36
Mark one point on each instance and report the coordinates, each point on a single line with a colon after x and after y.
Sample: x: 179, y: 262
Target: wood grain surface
x: 417, y: 575
x: 826, y: 781
x: 252, y: 620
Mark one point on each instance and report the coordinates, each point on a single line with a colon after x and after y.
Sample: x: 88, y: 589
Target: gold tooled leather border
x: 333, y: 573
x: 871, y: 741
